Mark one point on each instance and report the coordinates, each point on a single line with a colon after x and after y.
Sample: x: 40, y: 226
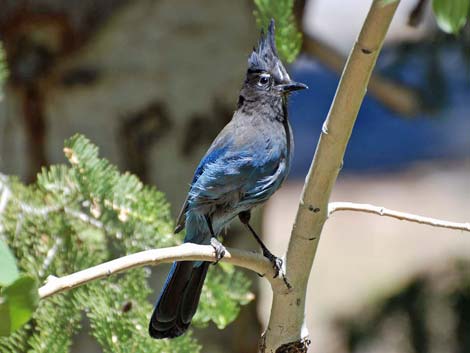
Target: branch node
x: 313, y: 209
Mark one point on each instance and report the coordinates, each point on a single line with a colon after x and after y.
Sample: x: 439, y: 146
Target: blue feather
x: 210, y: 157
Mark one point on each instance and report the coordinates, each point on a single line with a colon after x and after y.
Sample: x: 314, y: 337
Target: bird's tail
x: 178, y: 300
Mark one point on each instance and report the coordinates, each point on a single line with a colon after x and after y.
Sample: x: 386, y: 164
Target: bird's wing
x: 248, y: 172
x: 239, y: 161
x: 213, y: 155
x: 265, y: 183
x: 218, y: 148
x: 181, y: 220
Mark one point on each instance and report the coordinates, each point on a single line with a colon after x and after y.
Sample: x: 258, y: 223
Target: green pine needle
x: 83, y: 214
x: 288, y: 37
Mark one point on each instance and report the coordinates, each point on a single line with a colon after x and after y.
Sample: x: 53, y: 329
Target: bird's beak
x: 291, y: 86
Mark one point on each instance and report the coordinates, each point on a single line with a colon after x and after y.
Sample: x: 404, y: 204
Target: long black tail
x: 178, y: 300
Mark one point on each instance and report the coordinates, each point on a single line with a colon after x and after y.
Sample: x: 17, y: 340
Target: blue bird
x: 245, y: 165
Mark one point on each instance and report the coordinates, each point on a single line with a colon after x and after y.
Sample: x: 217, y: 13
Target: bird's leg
x: 215, y: 243
x: 276, y: 261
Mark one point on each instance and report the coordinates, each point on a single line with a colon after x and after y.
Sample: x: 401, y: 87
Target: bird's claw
x: 276, y: 261
x: 277, y: 265
x: 219, y: 250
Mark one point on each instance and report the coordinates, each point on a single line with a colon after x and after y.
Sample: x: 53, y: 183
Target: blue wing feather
x: 243, y: 167
x: 250, y: 172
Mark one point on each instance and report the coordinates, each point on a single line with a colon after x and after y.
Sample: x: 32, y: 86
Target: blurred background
x: 153, y: 81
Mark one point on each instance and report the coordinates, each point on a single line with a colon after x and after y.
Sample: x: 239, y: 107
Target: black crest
x: 265, y: 57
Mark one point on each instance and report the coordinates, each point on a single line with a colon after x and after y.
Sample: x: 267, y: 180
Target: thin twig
x: 50, y: 256
x: 4, y: 196
x: 26, y: 208
x: 185, y: 252
x: 38, y: 211
x: 403, y: 216
x: 83, y: 217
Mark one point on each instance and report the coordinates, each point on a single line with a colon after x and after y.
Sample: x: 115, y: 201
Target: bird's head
x: 266, y: 74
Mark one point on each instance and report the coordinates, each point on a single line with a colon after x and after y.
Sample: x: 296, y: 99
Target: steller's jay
x: 245, y: 165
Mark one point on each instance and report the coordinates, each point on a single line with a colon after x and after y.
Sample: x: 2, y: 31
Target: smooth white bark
x: 403, y: 216
x: 287, y: 320
x: 185, y: 252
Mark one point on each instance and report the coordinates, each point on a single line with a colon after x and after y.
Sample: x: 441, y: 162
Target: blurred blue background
x: 382, y: 139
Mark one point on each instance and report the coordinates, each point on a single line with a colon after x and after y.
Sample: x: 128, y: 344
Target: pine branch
x: 188, y: 251
x: 288, y: 38
x: 403, y: 216
x: 87, y: 213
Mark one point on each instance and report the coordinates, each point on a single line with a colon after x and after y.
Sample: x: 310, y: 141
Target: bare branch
x: 249, y: 260
x: 286, y: 326
x: 5, y: 193
x: 403, y: 216
x: 51, y: 253
x: 185, y: 252
x: 395, y: 96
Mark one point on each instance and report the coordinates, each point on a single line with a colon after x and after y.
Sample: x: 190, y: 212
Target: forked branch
x: 286, y: 330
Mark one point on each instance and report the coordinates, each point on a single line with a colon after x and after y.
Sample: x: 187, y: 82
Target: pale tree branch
x: 186, y: 252
x: 193, y: 252
x: 397, y: 97
x: 246, y: 259
x: 403, y: 216
x: 286, y: 330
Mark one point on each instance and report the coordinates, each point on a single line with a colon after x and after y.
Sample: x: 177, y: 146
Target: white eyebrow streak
x: 283, y: 75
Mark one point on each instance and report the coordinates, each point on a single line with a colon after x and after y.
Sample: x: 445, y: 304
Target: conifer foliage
x: 288, y: 36
x: 79, y: 215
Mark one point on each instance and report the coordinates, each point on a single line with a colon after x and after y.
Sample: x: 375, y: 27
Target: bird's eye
x: 263, y: 80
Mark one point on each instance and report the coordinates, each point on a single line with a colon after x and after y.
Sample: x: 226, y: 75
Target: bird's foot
x: 276, y: 261
x: 219, y: 250
x: 277, y: 265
